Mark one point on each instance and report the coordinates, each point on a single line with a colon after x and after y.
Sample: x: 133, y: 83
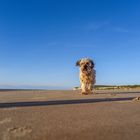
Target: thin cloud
x: 97, y: 26
x: 120, y: 29
x: 106, y: 26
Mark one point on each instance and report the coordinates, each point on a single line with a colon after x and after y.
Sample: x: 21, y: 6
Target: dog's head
x: 85, y: 64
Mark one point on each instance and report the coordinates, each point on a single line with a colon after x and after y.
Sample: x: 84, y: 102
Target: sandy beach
x: 67, y: 115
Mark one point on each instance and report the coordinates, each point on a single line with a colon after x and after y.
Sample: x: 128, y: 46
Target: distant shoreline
x: 97, y: 87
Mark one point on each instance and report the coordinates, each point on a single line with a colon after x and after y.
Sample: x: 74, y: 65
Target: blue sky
x: 40, y: 41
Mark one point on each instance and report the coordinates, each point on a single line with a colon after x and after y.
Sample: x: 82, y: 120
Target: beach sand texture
x: 67, y: 115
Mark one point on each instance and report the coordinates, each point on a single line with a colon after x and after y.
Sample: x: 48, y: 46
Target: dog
x: 87, y: 75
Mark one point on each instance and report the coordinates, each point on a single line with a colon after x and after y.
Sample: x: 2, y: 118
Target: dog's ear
x: 78, y: 63
x: 92, y: 63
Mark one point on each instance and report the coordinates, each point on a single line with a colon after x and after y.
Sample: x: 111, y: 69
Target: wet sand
x: 67, y: 115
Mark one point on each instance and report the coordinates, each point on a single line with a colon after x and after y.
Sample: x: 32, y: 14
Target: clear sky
x: 40, y: 41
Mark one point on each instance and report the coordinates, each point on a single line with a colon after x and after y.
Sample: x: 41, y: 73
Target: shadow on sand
x: 60, y: 102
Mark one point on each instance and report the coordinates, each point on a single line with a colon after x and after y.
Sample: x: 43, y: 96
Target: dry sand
x: 67, y: 115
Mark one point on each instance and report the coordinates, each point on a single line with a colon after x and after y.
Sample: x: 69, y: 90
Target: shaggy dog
x: 87, y: 75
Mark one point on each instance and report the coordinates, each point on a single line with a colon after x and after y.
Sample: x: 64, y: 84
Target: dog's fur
x: 87, y: 75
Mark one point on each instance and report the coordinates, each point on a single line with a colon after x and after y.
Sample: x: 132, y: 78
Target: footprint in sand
x: 6, y: 120
x: 16, y: 132
x: 136, y: 99
x: 19, y: 131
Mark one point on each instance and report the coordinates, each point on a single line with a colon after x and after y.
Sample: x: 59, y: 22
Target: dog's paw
x: 84, y: 93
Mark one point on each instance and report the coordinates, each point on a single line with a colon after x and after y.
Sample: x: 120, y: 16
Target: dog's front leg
x: 84, y: 88
x: 90, y: 88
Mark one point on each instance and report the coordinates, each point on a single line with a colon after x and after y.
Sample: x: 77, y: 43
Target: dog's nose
x: 85, y: 66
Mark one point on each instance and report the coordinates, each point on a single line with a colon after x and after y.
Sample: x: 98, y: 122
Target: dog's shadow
x: 61, y: 102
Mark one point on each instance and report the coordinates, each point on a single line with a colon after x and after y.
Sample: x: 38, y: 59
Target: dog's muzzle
x: 85, y: 67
